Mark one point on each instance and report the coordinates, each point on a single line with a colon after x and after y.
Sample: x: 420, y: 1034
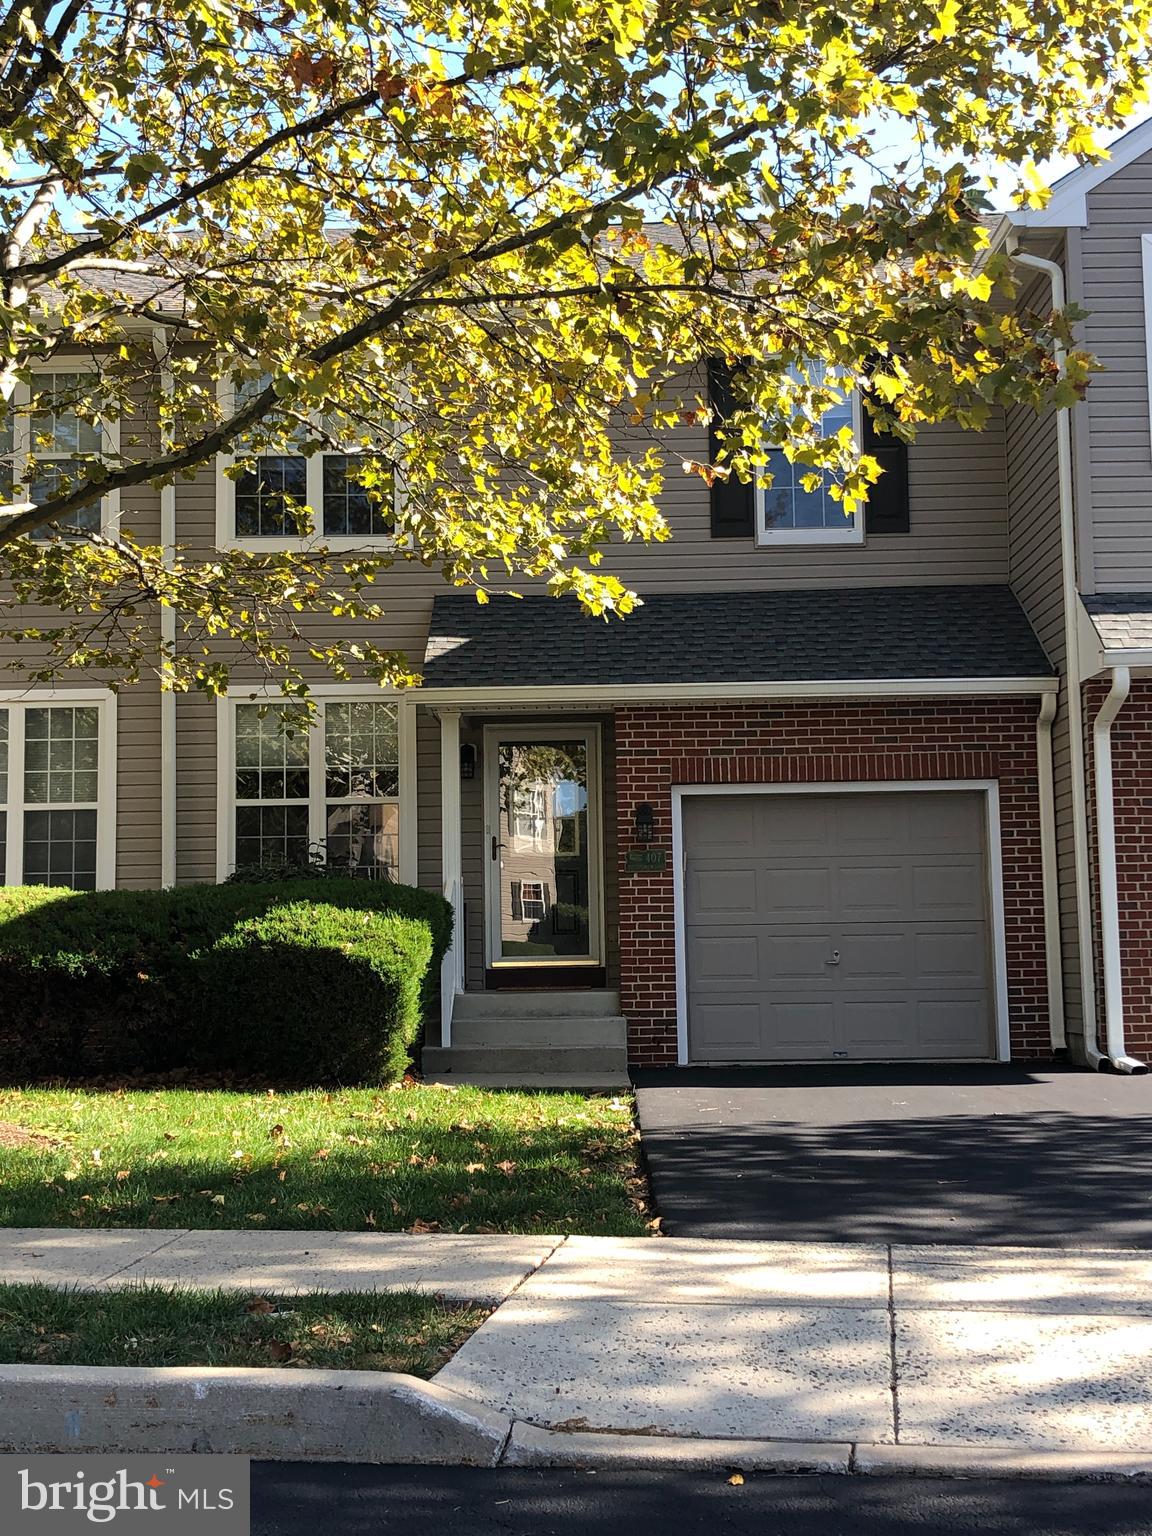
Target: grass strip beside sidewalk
x: 161, y: 1325
x: 414, y: 1158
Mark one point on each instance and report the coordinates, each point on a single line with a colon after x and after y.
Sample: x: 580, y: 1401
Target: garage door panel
x: 725, y: 893
x: 732, y: 1029
x: 725, y: 959
x: 789, y: 956
x: 949, y: 888
x: 957, y: 957
x: 895, y: 881
x: 796, y: 1027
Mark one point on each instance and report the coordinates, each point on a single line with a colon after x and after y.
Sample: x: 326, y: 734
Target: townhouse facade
x: 839, y: 790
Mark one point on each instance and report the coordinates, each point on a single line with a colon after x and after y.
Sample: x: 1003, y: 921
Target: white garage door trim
x: 987, y: 787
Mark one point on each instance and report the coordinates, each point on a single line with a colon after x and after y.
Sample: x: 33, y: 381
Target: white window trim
x: 1146, y: 266
x: 994, y: 875
x: 852, y: 533
x: 324, y: 693
x: 22, y: 443
x: 226, y: 535
x: 15, y: 701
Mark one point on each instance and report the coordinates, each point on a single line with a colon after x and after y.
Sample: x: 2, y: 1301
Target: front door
x: 542, y: 846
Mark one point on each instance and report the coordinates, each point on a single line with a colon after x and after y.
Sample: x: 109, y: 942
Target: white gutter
x: 1106, y: 863
x: 168, y: 640
x: 1071, y: 596
x: 640, y: 693
x: 1050, y: 871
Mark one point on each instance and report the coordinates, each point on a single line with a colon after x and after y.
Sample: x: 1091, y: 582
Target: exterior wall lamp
x: 467, y: 760
x: 644, y: 823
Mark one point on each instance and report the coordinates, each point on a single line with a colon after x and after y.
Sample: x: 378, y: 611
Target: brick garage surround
x: 1132, y: 796
x: 824, y: 742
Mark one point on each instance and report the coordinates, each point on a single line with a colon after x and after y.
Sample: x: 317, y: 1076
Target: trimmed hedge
x: 290, y: 983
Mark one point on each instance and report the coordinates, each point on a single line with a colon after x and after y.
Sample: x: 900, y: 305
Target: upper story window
x: 288, y: 498
x: 48, y: 441
x: 788, y: 512
x: 56, y: 795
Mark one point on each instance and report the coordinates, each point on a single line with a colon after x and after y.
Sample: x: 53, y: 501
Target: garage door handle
x: 835, y: 960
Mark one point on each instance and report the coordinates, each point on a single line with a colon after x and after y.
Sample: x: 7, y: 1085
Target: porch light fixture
x: 467, y: 761
x: 644, y: 823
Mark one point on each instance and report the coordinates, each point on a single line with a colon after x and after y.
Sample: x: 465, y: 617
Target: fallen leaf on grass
x: 122, y: 1174
x: 259, y: 1306
x: 737, y: 1480
x: 424, y: 1226
x: 280, y: 1351
x: 507, y: 1167
x: 475, y: 1167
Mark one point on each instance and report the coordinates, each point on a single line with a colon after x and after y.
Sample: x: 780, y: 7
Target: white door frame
x: 543, y: 731
x: 994, y: 878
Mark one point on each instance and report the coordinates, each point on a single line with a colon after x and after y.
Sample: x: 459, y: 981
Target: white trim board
x: 589, y: 694
x: 994, y: 863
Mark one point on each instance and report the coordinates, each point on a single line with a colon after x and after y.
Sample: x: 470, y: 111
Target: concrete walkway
x: 1036, y: 1349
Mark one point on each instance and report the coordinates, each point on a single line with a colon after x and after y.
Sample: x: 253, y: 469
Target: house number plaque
x: 646, y: 860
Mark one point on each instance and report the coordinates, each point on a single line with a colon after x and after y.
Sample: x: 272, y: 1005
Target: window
x: 279, y: 497
x: 529, y: 817
x: 788, y: 513
x: 329, y: 785
x: 533, y: 902
x: 44, y: 443
x: 54, y: 828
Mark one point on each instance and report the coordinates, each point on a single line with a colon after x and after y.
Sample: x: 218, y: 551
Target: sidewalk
x: 999, y: 1348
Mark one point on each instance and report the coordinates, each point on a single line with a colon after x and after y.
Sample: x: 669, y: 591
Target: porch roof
x: 822, y: 635
x: 1123, y: 620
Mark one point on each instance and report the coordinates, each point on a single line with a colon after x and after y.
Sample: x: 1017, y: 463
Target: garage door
x: 837, y: 926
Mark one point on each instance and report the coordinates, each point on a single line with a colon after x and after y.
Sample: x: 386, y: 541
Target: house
x: 840, y: 790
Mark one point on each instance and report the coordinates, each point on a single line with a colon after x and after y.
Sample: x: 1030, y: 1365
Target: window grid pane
x: 271, y: 834
x: 271, y: 753
x: 362, y: 782
x: 60, y: 848
x: 3, y: 759
x: 349, y: 510
x: 269, y: 497
x: 787, y: 505
x: 62, y: 755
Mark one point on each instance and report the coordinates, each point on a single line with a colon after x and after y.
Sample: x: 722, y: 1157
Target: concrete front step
x: 541, y: 1032
x: 573, y: 1082
x: 517, y: 1062
x: 593, y: 1002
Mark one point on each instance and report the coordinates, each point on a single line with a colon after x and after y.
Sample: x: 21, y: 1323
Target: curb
x: 531, y: 1446
x: 273, y: 1415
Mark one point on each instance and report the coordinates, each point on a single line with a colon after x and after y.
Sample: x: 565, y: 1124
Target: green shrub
x: 289, y: 982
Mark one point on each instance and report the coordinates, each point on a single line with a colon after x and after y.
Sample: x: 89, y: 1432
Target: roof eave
x: 624, y: 693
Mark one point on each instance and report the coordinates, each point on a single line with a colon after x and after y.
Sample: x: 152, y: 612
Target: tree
x: 470, y: 235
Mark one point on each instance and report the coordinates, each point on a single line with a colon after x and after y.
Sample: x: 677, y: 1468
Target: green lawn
x: 411, y: 1158
x: 159, y: 1325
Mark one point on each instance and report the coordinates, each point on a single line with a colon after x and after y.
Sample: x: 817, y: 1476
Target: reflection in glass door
x: 543, y: 832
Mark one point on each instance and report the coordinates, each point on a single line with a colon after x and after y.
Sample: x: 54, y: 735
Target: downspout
x: 168, y: 644
x: 1072, y: 678
x: 1050, y: 870
x: 1106, y: 863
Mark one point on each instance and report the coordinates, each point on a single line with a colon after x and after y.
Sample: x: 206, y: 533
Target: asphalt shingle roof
x: 1123, y: 620
x: 724, y: 637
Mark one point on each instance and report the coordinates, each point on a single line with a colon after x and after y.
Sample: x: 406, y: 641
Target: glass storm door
x: 543, y: 847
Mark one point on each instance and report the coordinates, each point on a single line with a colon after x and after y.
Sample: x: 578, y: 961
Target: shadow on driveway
x: 1052, y: 1157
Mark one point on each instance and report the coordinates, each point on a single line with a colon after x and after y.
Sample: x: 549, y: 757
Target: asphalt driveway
x: 901, y: 1154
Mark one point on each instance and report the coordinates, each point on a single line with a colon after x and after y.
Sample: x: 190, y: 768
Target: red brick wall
x: 823, y: 742
x: 1132, y: 794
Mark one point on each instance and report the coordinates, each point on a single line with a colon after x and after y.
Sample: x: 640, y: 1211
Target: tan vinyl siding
x: 195, y: 789
x: 138, y: 786
x: 1119, y: 212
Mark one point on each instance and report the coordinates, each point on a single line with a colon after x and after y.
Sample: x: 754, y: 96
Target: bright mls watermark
x: 61, y: 1494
